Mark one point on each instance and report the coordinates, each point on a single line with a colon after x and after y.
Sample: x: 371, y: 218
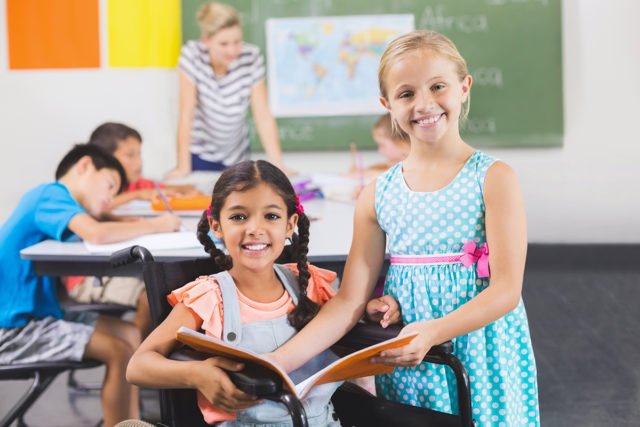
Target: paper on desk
x: 337, y: 187
x: 332, y: 180
x: 143, y: 208
x: 153, y: 242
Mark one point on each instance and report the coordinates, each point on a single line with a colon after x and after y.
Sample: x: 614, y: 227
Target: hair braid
x: 221, y: 259
x: 306, y: 309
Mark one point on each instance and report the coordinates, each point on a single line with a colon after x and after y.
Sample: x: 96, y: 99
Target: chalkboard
x: 513, y: 49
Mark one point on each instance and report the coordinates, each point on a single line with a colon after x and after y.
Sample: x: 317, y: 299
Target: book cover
x: 351, y: 366
x: 179, y: 203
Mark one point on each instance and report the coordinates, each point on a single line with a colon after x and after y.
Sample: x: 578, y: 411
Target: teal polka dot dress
x: 499, y: 357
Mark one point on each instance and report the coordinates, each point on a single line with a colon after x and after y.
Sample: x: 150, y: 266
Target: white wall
x: 587, y: 191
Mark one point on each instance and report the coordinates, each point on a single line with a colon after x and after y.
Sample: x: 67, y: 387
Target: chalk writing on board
x: 298, y: 132
x: 480, y: 125
x: 487, y: 76
x: 435, y: 18
x: 544, y: 3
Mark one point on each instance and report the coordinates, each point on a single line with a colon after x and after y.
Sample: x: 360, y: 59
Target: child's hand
x: 145, y: 194
x: 177, y: 173
x: 353, y: 172
x: 182, y: 191
x: 166, y: 222
x: 412, y: 353
x: 384, y: 310
x: 218, y: 389
x: 170, y: 192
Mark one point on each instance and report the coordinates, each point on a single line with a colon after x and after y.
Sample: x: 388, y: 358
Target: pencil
x: 163, y: 198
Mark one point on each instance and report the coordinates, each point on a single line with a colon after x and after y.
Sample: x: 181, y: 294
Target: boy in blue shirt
x: 32, y: 325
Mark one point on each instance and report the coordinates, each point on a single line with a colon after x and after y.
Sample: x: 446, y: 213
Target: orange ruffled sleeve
x: 320, y: 288
x: 204, y: 298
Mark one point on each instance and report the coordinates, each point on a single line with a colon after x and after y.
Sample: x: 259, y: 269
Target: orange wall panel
x: 53, y: 34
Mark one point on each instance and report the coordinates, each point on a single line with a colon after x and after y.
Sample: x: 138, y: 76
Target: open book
x: 354, y: 365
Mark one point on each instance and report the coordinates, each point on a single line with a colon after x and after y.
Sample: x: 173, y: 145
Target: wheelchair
x: 354, y: 406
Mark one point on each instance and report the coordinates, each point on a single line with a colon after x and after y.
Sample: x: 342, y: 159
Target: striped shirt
x: 219, y: 131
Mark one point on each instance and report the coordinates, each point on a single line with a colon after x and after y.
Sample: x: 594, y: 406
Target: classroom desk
x: 329, y: 245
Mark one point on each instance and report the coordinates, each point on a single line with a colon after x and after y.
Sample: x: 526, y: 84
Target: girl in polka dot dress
x: 453, y: 221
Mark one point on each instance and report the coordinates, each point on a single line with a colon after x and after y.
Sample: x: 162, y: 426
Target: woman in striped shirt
x: 220, y: 76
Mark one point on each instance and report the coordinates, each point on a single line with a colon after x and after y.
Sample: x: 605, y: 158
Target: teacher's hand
x: 177, y: 173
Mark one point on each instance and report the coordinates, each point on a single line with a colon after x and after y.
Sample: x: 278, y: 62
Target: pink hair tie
x: 299, y: 207
x: 209, y: 212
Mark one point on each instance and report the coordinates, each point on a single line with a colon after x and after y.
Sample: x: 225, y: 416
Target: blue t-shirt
x: 43, y: 213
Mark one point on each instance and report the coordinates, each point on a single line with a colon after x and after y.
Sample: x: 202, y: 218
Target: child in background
x: 125, y: 144
x: 254, y: 301
x: 32, y: 325
x: 394, y: 148
x: 454, y: 223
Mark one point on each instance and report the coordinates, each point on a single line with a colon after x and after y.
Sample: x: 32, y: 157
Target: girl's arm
x: 341, y: 312
x: 150, y: 367
x: 181, y: 189
x: 506, y: 228
x: 93, y: 231
x: 127, y: 196
x: 266, y: 124
x: 188, y: 94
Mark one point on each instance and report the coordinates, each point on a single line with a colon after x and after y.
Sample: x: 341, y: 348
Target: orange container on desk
x: 199, y: 202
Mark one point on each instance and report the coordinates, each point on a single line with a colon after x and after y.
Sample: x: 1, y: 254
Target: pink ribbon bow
x: 473, y: 254
x: 299, y: 207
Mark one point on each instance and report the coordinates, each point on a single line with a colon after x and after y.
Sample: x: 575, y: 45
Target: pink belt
x: 471, y: 254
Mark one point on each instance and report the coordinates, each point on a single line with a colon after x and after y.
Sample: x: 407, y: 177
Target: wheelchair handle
x: 130, y: 255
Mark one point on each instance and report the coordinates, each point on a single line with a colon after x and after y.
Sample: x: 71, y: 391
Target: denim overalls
x: 264, y: 336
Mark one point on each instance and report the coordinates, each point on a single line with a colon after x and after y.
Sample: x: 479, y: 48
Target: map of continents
x: 328, y: 66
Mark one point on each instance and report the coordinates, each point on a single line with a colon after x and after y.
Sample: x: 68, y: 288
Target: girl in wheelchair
x: 253, y: 302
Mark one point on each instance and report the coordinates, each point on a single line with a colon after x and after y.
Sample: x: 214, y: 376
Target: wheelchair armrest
x: 253, y: 379
x: 365, y: 334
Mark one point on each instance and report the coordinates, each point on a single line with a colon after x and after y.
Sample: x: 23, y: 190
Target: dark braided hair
x: 245, y: 176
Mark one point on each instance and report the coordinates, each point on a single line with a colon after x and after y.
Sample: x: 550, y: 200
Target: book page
x: 355, y: 365
x: 153, y: 242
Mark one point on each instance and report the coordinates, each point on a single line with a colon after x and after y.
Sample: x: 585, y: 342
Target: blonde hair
x: 421, y: 40
x: 213, y: 17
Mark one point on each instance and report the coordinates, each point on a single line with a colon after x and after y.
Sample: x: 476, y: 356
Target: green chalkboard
x: 513, y: 49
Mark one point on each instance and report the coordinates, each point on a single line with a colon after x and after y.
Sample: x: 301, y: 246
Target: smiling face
x: 425, y: 96
x: 253, y: 225
x: 224, y: 46
x: 128, y: 154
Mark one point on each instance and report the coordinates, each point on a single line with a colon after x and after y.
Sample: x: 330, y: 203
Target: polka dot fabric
x: 498, y: 357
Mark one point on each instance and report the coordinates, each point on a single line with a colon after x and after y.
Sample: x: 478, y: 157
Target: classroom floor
x: 61, y: 407
x: 584, y: 325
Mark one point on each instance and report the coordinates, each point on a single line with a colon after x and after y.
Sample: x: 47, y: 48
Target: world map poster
x: 327, y: 66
